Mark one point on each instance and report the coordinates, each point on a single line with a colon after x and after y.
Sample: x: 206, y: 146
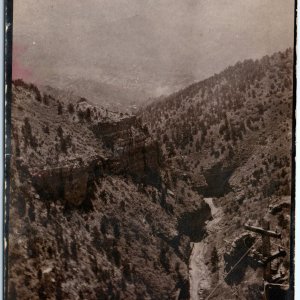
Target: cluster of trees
x: 65, y: 141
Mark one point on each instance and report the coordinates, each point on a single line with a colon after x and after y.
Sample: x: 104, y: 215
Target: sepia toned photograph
x: 150, y: 150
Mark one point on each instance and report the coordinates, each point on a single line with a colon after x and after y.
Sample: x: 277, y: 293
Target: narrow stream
x: 198, y: 270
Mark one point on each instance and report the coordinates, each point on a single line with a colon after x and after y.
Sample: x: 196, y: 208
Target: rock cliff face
x: 70, y: 182
x: 91, y: 212
x: 140, y: 159
x: 133, y: 150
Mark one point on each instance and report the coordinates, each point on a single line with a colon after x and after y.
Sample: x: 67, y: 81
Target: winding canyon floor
x: 198, y: 269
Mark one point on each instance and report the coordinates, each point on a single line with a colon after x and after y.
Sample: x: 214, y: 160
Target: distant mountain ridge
x: 107, y: 95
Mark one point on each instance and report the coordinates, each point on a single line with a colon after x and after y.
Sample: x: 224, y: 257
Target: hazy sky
x: 151, y: 44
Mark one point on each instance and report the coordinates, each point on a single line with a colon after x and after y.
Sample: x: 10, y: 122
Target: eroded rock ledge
x: 131, y: 151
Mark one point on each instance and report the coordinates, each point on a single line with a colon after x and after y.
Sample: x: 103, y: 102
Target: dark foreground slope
x: 90, y: 214
x: 230, y: 137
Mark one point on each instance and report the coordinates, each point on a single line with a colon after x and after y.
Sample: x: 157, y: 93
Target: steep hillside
x: 230, y: 137
x: 240, y: 113
x: 90, y: 214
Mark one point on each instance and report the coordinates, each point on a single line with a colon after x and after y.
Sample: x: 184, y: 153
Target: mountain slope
x: 90, y: 214
x: 230, y: 137
x: 243, y: 111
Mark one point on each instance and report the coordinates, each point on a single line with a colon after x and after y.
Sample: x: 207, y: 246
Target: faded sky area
x: 155, y: 45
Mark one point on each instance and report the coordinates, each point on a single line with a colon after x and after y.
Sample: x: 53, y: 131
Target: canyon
x: 110, y: 205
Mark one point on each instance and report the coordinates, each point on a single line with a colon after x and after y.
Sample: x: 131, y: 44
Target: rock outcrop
x: 133, y: 150
x: 69, y: 182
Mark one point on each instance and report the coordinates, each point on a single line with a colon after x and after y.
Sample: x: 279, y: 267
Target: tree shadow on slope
x: 193, y: 223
